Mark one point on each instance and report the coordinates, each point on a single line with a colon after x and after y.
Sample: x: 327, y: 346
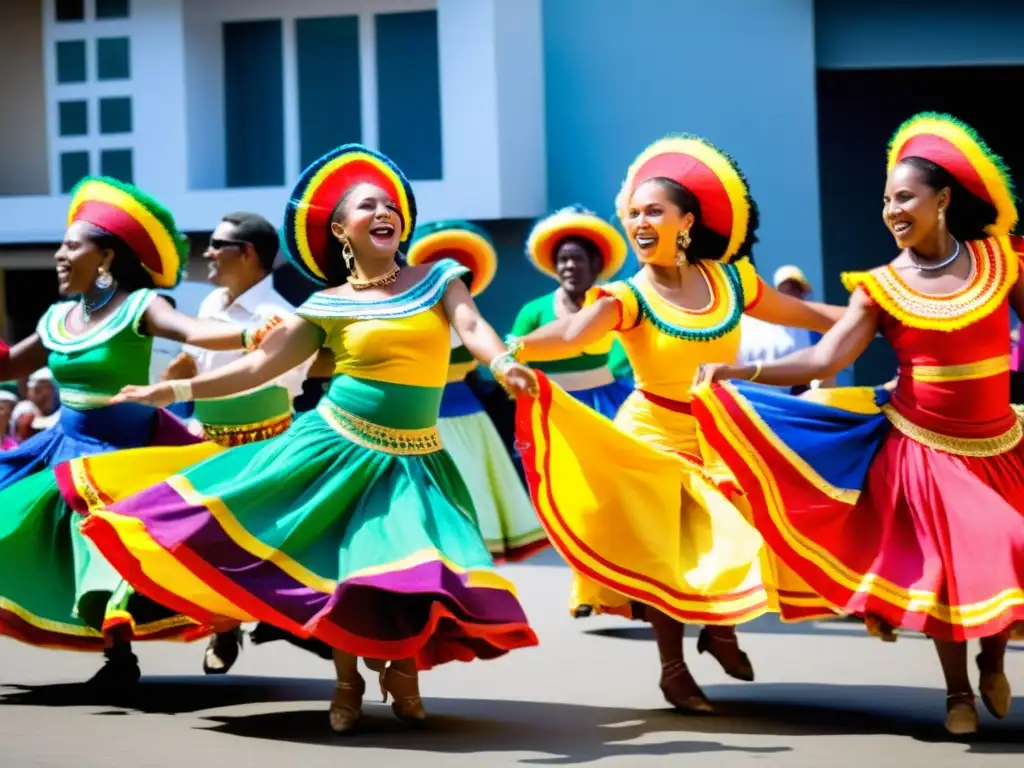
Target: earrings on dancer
x: 104, y: 280
x: 682, y: 243
x: 346, y: 253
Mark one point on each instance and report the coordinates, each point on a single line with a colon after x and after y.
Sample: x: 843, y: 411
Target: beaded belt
x: 243, y: 434
x: 400, y: 442
x: 976, y: 447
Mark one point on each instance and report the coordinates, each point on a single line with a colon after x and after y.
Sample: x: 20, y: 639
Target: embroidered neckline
x: 53, y: 330
x: 417, y: 298
x: 719, y: 317
x: 995, y: 270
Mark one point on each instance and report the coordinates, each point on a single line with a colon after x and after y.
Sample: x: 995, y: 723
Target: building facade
x: 499, y: 110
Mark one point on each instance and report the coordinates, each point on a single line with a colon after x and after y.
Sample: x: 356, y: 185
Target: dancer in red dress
x: 905, y: 507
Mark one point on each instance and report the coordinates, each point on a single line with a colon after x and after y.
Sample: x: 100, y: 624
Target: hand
x: 181, y: 367
x: 158, y: 395
x: 711, y: 372
x: 520, y: 381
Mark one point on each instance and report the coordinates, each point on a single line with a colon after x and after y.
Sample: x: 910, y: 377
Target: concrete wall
x: 24, y: 167
x: 619, y: 75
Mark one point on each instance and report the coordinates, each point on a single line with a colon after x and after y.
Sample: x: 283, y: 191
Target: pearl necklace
x: 936, y: 267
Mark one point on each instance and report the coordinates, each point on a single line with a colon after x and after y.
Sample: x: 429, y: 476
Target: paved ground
x: 825, y: 696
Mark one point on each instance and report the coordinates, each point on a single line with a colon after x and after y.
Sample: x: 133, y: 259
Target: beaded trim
x: 981, y: 369
x: 733, y: 293
x: 422, y: 296
x: 243, y: 434
x: 400, y: 442
x: 958, y: 446
x: 995, y: 273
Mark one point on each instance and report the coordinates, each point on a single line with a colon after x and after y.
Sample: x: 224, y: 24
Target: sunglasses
x: 217, y: 244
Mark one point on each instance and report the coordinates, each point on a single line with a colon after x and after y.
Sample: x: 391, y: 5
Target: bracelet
x: 757, y: 372
x: 181, y: 389
x: 501, y: 363
x: 247, y: 344
x: 513, y: 346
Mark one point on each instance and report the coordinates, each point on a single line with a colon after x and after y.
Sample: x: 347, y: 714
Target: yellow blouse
x: 666, y: 344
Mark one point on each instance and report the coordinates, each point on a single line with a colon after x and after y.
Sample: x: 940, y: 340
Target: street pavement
x: 825, y: 695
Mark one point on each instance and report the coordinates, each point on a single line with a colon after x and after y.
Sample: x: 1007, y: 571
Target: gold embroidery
x: 995, y: 273
x: 981, y: 369
x: 243, y: 434
x: 958, y: 446
x: 80, y: 478
x: 401, y: 442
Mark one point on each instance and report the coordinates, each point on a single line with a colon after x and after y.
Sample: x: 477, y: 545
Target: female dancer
x: 55, y: 589
x: 912, y: 516
x: 578, y: 248
x: 353, y: 527
x: 507, y: 521
x: 632, y: 505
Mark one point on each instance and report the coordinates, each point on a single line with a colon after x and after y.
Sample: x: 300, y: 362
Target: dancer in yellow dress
x: 640, y: 506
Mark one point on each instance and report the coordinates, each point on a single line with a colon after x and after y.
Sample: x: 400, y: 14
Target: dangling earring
x: 682, y: 243
x: 346, y: 254
x: 104, y: 280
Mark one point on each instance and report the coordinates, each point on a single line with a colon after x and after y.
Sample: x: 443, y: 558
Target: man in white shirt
x: 761, y: 342
x: 240, y: 259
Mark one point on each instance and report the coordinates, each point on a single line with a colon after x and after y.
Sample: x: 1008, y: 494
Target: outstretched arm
x: 838, y: 348
x: 23, y: 358
x: 570, y: 336
x: 290, y: 344
x: 776, y: 307
x: 165, y: 322
x: 481, y: 339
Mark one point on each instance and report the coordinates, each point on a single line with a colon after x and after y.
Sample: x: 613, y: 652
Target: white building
x: 217, y: 105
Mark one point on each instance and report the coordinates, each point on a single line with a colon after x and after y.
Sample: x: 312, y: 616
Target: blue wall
x: 619, y: 75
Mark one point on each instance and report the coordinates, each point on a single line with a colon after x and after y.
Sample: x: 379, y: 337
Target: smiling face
x: 371, y: 222
x: 576, y: 267
x: 79, y: 260
x: 911, y: 207
x: 654, y: 222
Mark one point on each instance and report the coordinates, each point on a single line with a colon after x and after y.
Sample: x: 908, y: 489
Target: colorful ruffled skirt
x: 56, y: 589
x: 634, y: 510
x: 507, y: 521
x: 353, y: 527
x: 880, y: 523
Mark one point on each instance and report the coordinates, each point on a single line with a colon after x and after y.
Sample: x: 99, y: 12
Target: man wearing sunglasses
x: 240, y: 259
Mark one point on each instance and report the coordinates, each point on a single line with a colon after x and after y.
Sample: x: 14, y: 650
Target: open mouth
x: 63, y: 272
x: 646, y: 241
x: 901, y: 227
x: 382, y: 232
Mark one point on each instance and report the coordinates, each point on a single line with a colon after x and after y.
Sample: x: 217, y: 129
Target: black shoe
x: 222, y: 652
x: 583, y: 611
x: 121, y: 669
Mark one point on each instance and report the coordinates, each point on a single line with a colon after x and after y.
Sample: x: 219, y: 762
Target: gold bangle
x: 757, y: 372
x: 181, y: 390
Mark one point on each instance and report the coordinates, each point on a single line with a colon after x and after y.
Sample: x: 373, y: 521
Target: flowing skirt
x: 507, y: 521
x: 633, y: 510
x: 355, y: 534
x: 56, y: 590
x: 875, y: 521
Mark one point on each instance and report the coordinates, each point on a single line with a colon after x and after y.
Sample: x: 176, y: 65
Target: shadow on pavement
x: 561, y: 734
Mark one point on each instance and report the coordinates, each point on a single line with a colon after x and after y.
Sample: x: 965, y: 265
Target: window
x: 73, y: 118
x: 112, y: 58
x: 409, y: 92
x: 116, y: 115
x: 73, y: 166
x: 117, y: 163
x: 254, y: 103
x: 111, y: 9
x: 329, y: 97
x: 71, y: 61
x: 69, y: 10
